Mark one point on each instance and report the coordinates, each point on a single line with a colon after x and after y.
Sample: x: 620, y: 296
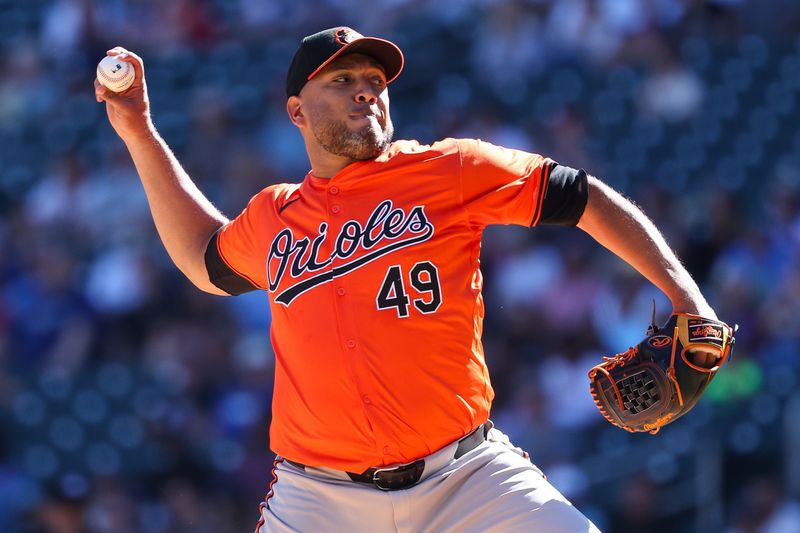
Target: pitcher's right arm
x: 184, y: 218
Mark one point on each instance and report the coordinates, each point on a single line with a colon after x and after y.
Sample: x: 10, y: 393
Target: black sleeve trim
x: 565, y: 196
x: 223, y: 276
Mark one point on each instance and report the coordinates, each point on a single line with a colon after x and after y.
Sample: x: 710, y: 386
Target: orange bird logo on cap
x: 346, y: 36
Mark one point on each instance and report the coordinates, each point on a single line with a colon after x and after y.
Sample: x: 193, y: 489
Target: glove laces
x: 621, y: 358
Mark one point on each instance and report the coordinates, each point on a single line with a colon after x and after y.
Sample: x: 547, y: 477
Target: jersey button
x: 336, y: 209
x: 351, y: 343
x: 366, y: 399
x: 386, y: 450
x: 334, y: 190
x: 340, y: 291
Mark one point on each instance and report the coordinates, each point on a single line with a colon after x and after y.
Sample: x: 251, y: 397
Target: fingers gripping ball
x: 661, y: 378
x: 115, y: 74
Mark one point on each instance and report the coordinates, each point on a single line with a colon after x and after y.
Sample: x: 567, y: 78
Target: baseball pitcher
x: 371, y: 263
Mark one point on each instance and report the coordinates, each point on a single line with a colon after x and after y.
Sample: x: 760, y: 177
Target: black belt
x: 407, y: 475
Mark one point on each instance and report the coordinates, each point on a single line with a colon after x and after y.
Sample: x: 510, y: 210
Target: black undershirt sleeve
x: 565, y: 196
x: 223, y: 276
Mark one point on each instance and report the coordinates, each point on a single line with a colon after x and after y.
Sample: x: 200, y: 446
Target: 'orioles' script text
x: 387, y: 229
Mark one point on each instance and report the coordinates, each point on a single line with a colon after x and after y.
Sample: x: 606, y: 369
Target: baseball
x: 115, y: 74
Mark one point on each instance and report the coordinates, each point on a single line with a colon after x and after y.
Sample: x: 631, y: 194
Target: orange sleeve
x: 501, y: 185
x: 243, y: 242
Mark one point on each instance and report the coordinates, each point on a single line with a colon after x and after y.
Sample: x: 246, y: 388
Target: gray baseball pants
x: 493, y: 488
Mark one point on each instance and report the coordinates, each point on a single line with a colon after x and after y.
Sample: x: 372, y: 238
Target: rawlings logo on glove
x: 662, y: 377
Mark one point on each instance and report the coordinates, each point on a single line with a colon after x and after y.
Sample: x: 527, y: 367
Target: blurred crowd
x: 130, y: 401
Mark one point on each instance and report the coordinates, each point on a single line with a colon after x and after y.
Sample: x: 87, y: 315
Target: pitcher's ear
x: 294, y: 109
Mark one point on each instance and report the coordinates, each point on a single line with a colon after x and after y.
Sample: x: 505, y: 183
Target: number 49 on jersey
x: 423, y: 280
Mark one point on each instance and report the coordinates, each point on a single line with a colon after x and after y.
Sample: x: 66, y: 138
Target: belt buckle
x: 376, y: 479
x: 413, y: 469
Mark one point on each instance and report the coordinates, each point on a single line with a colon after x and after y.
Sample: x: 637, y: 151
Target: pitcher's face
x: 347, y: 107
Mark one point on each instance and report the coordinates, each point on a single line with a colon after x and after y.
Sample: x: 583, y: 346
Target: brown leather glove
x: 662, y: 377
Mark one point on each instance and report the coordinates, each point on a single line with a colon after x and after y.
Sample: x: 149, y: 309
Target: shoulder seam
x: 460, y: 173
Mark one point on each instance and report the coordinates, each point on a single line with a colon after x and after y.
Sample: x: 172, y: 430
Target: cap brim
x: 384, y: 52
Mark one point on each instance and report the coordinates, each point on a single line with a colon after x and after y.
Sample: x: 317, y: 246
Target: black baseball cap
x: 319, y: 49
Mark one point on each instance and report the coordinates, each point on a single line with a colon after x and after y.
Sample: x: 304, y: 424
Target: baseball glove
x: 662, y: 377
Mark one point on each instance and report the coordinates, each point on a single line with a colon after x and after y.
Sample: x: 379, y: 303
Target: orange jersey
x: 375, y: 293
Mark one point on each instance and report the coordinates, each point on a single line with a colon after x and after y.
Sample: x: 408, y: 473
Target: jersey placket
x: 339, y: 213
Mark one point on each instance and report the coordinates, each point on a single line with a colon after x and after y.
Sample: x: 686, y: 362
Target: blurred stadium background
x: 129, y: 401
